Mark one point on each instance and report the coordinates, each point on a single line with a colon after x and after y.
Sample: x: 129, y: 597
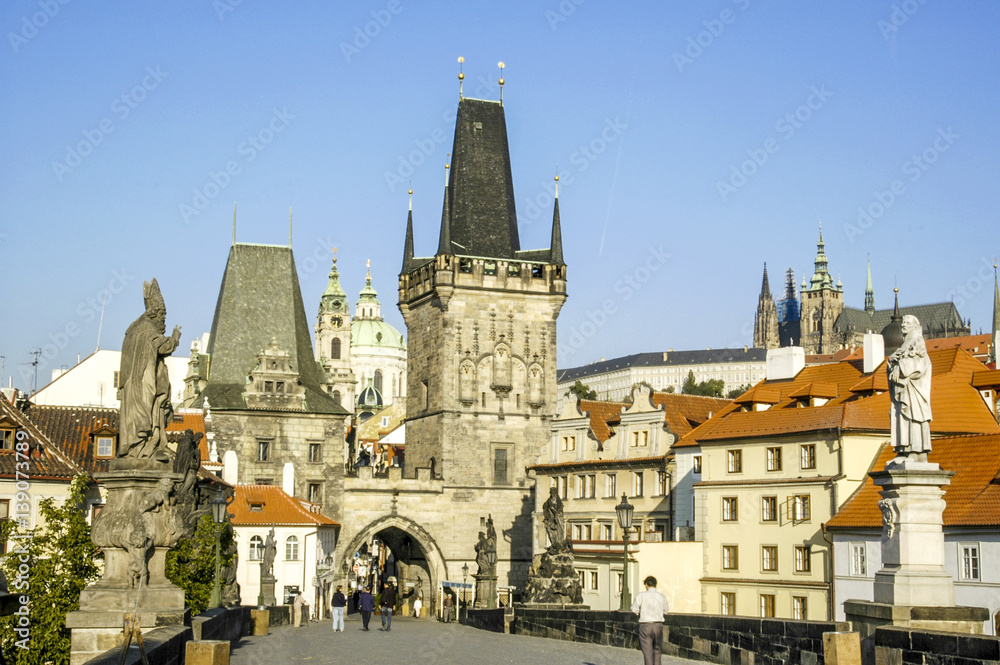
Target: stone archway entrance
x: 408, y: 553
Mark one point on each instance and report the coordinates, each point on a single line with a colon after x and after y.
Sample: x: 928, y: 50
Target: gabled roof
x: 682, y: 413
x: 860, y: 402
x: 603, y: 415
x: 972, y: 498
x: 46, y: 460
x: 260, y: 300
x: 275, y: 507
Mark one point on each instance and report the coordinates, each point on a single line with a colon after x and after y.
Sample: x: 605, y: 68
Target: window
x: 582, y: 574
x: 774, y: 459
x: 279, y: 386
x: 859, y: 560
x: 568, y: 444
x: 727, y: 600
x: 696, y: 466
x: 561, y: 483
x: 735, y: 461
x: 335, y: 349
x: 6, y: 439
x: 640, y: 439
x: 378, y: 380
x: 314, y: 452
x: 105, y: 446
x: 730, y: 557
x: 730, y: 509
x: 610, y: 485
x: 607, y: 532
x: 336, y: 396
x: 800, y: 607
x: 500, y: 466
x: 292, y: 549
x: 800, y: 508
x: 268, y: 387
x: 803, y: 562
x: 769, y: 509
x: 256, y: 507
x: 661, y: 483
x: 808, y: 456
x: 581, y: 532
x: 970, y: 562
x: 766, y: 605
x: 637, y: 482
x: 263, y: 451
x: 314, y: 493
x: 769, y: 558
x: 256, y: 548
x: 586, y: 486
x: 593, y: 580
x: 621, y: 582
x: 114, y: 382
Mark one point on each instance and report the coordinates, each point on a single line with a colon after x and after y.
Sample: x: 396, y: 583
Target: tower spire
x: 408, y: 243
x: 765, y: 287
x: 444, y: 240
x: 461, y: 77
x: 869, y: 291
x: 556, y: 251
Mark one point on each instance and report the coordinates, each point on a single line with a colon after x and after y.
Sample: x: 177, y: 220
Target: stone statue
x: 230, y: 587
x: 909, y: 371
x: 143, y: 382
x: 555, y: 523
x: 481, y: 560
x: 187, y: 461
x: 270, y: 551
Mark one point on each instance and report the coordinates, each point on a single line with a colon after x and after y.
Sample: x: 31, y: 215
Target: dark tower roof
x: 892, y: 334
x: 765, y: 287
x: 556, y: 245
x: 260, y: 300
x: 408, y: 244
x: 479, y: 218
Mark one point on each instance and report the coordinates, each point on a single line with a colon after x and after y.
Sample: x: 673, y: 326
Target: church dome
x: 370, y: 398
x: 892, y: 334
x: 377, y: 333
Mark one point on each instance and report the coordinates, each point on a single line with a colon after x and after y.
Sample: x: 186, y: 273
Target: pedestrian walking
x: 367, y: 601
x: 650, y: 605
x: 447, y: 607
x: 338, y: 604
x: 297, y: 604
x: 418, y: 605
x: 388, y: 604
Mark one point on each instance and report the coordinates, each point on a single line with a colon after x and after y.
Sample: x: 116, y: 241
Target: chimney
x: 874, y: 351
x: 230, y: 467
x: 288, y: 479
x: 664, y: 356
x: 785, y: 362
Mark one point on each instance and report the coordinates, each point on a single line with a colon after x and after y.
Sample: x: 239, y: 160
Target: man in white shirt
x: 650, y: 605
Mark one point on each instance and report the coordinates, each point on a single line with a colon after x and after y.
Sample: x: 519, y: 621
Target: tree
x: 710, y: 388
x: 50, y: 564
x: 190, y: 564
x: 733, y: 394
x: 582, y: 390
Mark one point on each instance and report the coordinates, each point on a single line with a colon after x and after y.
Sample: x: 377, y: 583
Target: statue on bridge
x: 909, y: 371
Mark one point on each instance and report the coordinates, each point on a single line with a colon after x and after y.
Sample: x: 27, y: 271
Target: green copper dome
x: 375, y: 332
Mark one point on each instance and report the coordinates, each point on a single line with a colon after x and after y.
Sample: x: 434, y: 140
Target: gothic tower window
x: 335, y: 348
x: 378, y: 380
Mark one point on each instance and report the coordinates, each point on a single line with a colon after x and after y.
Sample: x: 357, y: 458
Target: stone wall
x: 712, y: 638
x: 906, y: 645
x: 221, y: 624
x: 491, y: 620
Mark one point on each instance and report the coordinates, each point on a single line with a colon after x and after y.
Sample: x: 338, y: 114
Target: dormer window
x: 6, y: 439
x: 105, y: 446
x: 256, y: 507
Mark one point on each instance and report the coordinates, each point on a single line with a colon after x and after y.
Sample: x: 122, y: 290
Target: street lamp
x: 465, y: 586
x: 219, y: 517
x: 624, y: 510
x: 491, y: 558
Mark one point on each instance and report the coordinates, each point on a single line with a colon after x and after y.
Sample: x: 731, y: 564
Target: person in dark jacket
x: 339, y: 605
x: 367, y: 601
x: 388, y: 604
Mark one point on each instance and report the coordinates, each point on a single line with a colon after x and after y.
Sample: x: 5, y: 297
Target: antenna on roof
x: 501, y: 66
x: 461, y: 77
x: 289, y: 227
x: 234, y: 222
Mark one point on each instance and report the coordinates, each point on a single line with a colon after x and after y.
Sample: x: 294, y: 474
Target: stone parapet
x: 868, y: 618
x: 907, y: 645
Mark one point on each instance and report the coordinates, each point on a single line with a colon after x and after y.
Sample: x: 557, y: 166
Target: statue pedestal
x: 266, y: 597
x: 134, y: 531
x: 912, y: 505
x: 553, y: 580
x: 486, y: 590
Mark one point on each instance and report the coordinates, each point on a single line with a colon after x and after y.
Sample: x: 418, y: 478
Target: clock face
x: 337, y: 321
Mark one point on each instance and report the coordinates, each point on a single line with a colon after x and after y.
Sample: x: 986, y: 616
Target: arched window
x: 378, y: 380
x: 256, y: 548
x: 335, y: 349
x: 292, y: 549
x: 336, y: 396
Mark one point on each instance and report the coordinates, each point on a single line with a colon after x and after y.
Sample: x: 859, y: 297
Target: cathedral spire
x: 555, y: 251
x: 408, y: 244
x: 821, y: 278
x: 869, y: 292
x: 765, y: 287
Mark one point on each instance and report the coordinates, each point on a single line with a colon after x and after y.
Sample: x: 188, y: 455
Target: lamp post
x: 624, y: 510
x: 219, y: 517
x: 465, y: 585
x: 491, y: 558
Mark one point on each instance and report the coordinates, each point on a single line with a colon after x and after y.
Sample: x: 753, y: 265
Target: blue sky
x: 694, y: 140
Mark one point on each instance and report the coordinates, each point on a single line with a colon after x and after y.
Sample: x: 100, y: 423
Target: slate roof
x: 260, y: 299
x: 972, y: 498
x: 934, y: 318
x: 45, y: 460
x: 656, y: 359
x: 480, y: 215
x: 859, y: 403
x: 276, y: 507
x: 71, y: 429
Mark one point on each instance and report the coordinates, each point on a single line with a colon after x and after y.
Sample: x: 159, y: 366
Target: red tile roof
x: 275, y: 507
x: 977, y: 345
x: 972, y: 498
x: 602, y: 416
x: 45, y: 459
x: 682, y: 413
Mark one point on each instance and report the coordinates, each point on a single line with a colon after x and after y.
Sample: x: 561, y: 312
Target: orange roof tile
x: 816, y: 389
x: 47, y: 461
x: 275, y: 507
x: 989, y: 378
x: 972, y: 498
x: 602, y: 416
x: 71, y: 428
x: 977, y: 345
x: 682, y: 413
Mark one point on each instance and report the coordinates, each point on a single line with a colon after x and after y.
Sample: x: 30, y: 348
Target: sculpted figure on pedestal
x: 909, y: 371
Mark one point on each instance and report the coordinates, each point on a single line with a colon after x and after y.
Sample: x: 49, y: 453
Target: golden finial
x: 895, y: 289
x: 369, y: 266
x: 334, y: 254
x: 446, y: 167
x: 501, y: 66
x: 461, y: 77
x: 411, y: 200
x: 557, y: 186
